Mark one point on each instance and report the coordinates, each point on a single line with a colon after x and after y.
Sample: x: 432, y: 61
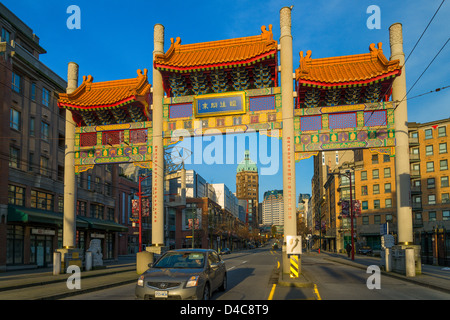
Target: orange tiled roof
x: 346, y: 70
x: 108, y: 94
x: 217, y: 53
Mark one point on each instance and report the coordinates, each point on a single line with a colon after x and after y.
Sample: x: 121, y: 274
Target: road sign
x: 293, y: 245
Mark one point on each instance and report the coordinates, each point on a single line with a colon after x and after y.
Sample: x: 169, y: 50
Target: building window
x: 14, y: 157
x: 432, y: 216
x: 389, y: 218
x: 108, y: 188
x: 431, y: 199
x: 6, y: 35
x: 15, y: 83
x: 61, y: 141
x: 443, y: 164
x: 374, y: 159
x: 431, y: 183
x: 442, y: 147
x: 446, y: 215
x: 16, y: 195
x: 376, y: 189
x: 387, y: 188
x: 14, y: 244
x: 388, y: 203
x: 363, y: 175
x: 365, y: 220
x: 430, y: 166
x: 14, y: 119
x: 44, y: 166
x: 386, y: 158
x: 81, y: 208
x: 45, y: 131
x: 33, y: 91
x: 32, y: 127
x: 41, y: 200
x: 365, y: 205
x: 375, y: 174
x: 387, y: 172
x: 376, y: 204
x: 45, y: 97
x: 110, y: 214
x: 418, y: 218
x: 364, y: 191
x: 444, y: 182
x: 30, y: 161
x: 61, y: 204
x: 445, y: 198
x: 428, y: 134
x: 97, y: 211
x: 377, y: 219
x: 60, y: 173
x: 442, y: 132
x: 429, y: 150
x: 89, y: 182
x: 98, y: 185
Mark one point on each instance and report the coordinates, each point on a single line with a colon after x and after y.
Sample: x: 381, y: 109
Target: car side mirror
x: 150, y: 264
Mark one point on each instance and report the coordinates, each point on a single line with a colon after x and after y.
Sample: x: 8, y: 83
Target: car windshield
x: 181, y: 260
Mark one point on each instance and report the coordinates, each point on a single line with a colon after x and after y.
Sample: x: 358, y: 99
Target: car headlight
x: 192, y: 282
x: 141, y: 281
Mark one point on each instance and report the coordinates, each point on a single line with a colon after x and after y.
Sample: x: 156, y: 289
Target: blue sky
x: 116, y: 39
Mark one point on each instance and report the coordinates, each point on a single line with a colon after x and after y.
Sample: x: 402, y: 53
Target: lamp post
x: 141, y: 178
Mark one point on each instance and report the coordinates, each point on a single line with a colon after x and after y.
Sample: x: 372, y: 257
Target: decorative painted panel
x: 117, y: 143
x: 369, y: 125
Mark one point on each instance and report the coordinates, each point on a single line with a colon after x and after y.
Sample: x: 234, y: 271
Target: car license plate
x: 161, y: 294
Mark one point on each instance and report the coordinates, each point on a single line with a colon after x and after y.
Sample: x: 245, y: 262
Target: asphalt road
x: 251, y: 276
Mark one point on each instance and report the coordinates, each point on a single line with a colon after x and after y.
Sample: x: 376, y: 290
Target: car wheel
x: 206, y: 292
x: 223, y: 287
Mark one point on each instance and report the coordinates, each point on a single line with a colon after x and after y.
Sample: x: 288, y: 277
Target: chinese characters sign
x: 219, y: 104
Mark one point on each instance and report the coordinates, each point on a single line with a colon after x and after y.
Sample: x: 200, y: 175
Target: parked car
x: 183, y: 274
x: 365, y: 250
x: 275, y: 246
x: 225, y: 251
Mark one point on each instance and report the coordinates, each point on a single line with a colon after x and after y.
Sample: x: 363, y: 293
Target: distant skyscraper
x: 247, y: 187
x: 272, y: 210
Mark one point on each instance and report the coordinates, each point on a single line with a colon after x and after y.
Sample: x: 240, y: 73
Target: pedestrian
x: 349, y: 249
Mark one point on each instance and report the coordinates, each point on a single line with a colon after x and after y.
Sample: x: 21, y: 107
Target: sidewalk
x: 435, y: 277
x: 28, y: 284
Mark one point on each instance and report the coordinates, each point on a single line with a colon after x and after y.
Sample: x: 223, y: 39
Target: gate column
x: 158, y: 151
x: 287, y: 102
x: 70, y: 189
x: 402, y: 164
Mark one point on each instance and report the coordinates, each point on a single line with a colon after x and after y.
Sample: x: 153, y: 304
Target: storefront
x: 34, y: 234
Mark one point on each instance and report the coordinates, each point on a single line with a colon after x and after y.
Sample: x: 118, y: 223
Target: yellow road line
x: 272, y: 292
x: 317, y: 292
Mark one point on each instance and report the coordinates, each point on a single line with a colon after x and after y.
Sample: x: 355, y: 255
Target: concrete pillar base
x: 142, y: 260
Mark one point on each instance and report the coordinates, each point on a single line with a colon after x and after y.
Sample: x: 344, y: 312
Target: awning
x: 25, y: 215
x: 104, y: 224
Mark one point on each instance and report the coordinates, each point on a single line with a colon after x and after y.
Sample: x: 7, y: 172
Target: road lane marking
x: 317, y: 292
x: 272, y: 292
